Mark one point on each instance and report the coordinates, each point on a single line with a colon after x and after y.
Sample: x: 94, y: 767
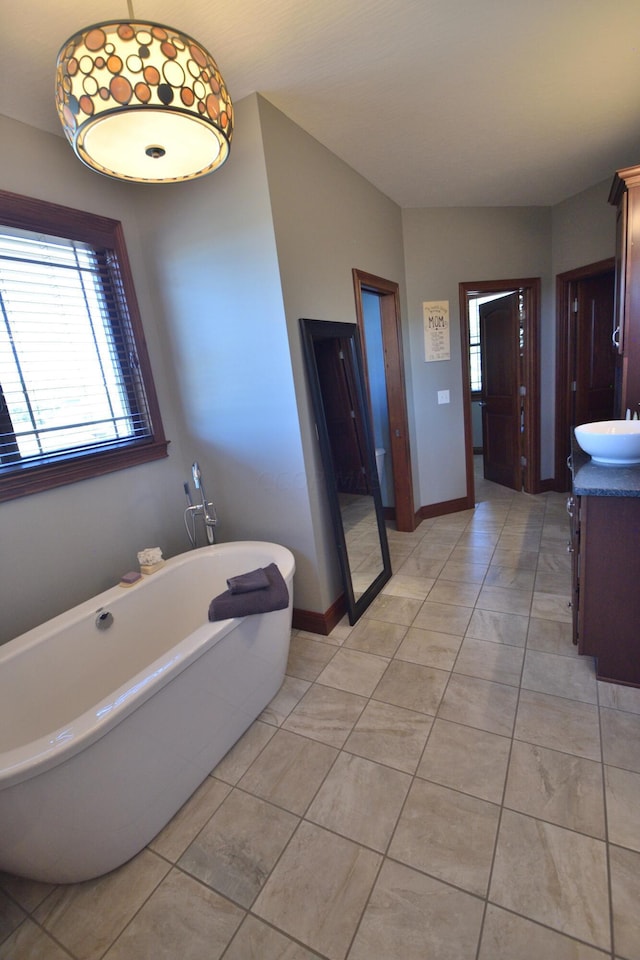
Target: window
x: 76, y: 392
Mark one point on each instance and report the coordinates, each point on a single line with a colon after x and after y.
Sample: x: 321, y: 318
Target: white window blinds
x: 70, y: 379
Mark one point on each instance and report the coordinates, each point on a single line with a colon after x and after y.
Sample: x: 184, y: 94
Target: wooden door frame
x: 388, y: 292
x: 530, y: 374
x: 565, y: 331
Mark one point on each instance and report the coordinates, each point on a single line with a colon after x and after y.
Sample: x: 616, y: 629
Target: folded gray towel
x: 246, y: 582
x: 274, y: 597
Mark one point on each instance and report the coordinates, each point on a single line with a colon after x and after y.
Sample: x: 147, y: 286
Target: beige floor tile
x: 308, y: 658
x: 454, y: 592
x: 11, y: 916
x: 181, y: 919
x: 30, y: 942
x: 500, y: 662
x: 243, y: 753
x: 560, y: 724
x: 424, y: 565
x: 390, y: 735
x: 376, y: 636
x: 625, y: 895
x: 551, y: 636
x: 443, y: 618
x: 524, y: 540
x: 621, y: 738
x: 256, y: 940
x: 430, y: 648
x: 548, y: 606
x: 289, y: 771
x: 512, y: 577
x: 87, y: 917
x: 556, y: 561
x: 508, y: 937
x: 318, y: 889
x: 354, y: 671
x: 557, y: 787
x: 520, y: 559
x: 464, y: 571
x: 554, y: 876
x: 412, y: 685
x: 622, y: 789
x: 414, y: 917
x: 466, y: 759
x: 27, y: 893
x: 289, y: 694
x: 560, y: 676
x: 326, y: 714
x: 174, y: 839
x: 556, y: 582
x: 498, y: 627
x: 504, y: 600
x: 360, y: 800
x: 480, y: 703
x: 447, y: 834
x: 470, y: 552
x: 618, y: 697
x: 390, y: 609
x: 238, y: 847
x: 415, y: 588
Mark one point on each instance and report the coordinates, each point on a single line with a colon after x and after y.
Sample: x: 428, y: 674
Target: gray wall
x: 224, y: 267
x: 327, y: 220
x: 443, y: 248
x: 584, y: 229
x: 61, y: 547
x: 211, y: 250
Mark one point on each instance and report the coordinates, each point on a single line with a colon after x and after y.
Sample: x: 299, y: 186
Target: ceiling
x: 435, y: 102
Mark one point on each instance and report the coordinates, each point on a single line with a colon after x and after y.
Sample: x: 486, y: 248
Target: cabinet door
x: 573, y: 509
x: 609, y: 608
x: 617, y: 334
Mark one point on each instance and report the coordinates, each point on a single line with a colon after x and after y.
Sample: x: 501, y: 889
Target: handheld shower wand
x: 203, y: 507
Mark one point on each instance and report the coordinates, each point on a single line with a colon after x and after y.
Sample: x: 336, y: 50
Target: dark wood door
x: 595, y: 354
x: 501, y: 428
x: 346, y: 432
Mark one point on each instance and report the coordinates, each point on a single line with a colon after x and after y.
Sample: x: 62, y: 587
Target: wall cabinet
x: 605, y: 545
x: 625, y: 196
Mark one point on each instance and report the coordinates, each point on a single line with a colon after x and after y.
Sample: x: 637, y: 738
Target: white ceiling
x: 435, y: 102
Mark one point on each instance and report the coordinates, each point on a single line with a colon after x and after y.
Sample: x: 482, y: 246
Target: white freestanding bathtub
x: 105, y: 733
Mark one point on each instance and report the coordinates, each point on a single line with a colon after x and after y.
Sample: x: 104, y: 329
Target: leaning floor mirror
x: 335, y: 370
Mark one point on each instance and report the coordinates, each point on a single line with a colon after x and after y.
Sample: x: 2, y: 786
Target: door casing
x: 388, y: 292
x: 565, y: 332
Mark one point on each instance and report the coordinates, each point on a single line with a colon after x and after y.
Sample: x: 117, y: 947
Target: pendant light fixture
x: 143, y: 102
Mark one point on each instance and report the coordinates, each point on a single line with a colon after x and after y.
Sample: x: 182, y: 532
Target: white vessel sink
x: 614, y: 442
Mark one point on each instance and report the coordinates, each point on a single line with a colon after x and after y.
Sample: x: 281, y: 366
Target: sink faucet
x: 205, y: 508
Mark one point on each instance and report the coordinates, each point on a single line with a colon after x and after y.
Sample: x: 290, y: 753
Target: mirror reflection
x: 336, y: 378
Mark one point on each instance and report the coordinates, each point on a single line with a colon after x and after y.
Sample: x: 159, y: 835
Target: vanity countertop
x: 598, y: 480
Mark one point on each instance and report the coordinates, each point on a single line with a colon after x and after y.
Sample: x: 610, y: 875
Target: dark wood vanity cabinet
x: 605, y: 540
x: 625, y: 196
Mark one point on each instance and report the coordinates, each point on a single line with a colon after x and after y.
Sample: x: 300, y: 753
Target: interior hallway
x: 445, y: 779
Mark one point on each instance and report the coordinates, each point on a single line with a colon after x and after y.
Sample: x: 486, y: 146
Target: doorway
x: 378, y: 318
x: 506, y: 354
x: 586, y: 357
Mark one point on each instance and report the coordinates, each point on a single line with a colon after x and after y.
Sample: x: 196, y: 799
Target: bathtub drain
x: 104, y: 619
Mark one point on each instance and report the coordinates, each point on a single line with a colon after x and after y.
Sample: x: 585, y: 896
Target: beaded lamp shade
x: 143, y: 102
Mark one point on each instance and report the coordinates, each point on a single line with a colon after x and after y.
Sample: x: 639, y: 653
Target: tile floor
x: 444, y: 780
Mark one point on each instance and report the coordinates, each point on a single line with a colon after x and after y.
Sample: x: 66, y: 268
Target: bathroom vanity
x: 604, y: 508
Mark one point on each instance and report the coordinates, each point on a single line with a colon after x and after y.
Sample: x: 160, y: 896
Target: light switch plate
x: 443, y: 396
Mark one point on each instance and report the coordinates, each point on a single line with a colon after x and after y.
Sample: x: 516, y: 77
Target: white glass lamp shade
x: 143, y: 102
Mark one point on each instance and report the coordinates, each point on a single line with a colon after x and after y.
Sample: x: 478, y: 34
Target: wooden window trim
x: 50, y: 218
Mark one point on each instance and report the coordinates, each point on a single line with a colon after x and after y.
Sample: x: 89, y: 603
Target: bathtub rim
x: 60, y: 744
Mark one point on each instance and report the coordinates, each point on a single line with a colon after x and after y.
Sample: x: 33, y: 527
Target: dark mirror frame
x: 313, y: 332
